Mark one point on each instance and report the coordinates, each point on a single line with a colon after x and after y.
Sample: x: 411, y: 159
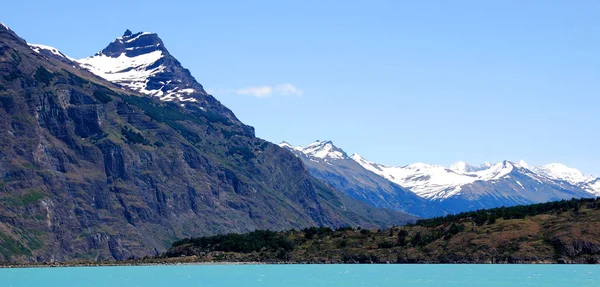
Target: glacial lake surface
x: 305, y: 275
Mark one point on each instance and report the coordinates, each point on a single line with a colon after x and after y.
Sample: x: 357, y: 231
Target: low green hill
x: 566, y: 231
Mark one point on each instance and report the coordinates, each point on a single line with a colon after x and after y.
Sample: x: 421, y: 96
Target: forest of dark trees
x: 489, y: 216
x: 438, y: 228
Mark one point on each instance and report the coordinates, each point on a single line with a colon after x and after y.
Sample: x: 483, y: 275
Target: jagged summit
x: 133, y: 45
x: 141, y: 62
x: 2, y: 25
x: 318, y: 150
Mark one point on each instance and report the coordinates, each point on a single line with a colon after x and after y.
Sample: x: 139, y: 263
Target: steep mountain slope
x: 93, y: 170
x: 463, y: 187
x: 331, y: 164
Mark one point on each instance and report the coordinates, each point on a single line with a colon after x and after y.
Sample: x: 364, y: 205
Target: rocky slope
x: 93, y: 170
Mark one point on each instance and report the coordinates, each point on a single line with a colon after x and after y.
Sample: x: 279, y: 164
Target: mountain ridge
x: 331, y: 164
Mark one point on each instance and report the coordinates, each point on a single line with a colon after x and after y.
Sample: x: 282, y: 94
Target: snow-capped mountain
x: 436, y: 181
x: 487, y: 185
x: 140, y: 62
x: 562, y: 172
x: 331, y: 164
x: 558, y: 171
x: 462, y: 186
x: 318, y: 151
x: 593, y: 186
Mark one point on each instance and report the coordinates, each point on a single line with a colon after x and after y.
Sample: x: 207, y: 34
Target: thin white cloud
x: 259, y: 92
x: 286, y: 90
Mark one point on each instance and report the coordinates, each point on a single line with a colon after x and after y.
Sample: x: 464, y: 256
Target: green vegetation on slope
x: 563, y: 231
x: 245, y: 243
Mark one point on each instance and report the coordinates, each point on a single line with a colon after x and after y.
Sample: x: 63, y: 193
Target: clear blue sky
x: 396, y: 81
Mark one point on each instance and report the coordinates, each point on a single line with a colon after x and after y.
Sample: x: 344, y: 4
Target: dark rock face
x: 134, y: 45
x: 89, y: 172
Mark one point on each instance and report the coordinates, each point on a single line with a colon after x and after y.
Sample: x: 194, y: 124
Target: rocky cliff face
x: 89, y: 170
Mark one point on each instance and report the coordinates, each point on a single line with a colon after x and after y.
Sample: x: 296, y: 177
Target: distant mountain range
x: 332, y: 165
x: 459, y: 187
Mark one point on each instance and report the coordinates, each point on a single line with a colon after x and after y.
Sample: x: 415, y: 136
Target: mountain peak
x: 140, y: 62
x: 134, y: 44
x: 318, y: 150
x: 287, y: 145
x: 320, y: 143
x: 563, y: 172
x: 4, y: 26
x: 523, y: 164
x: 356, y: 157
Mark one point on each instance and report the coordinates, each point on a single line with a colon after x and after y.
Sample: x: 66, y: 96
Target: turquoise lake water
x: 306, y: 275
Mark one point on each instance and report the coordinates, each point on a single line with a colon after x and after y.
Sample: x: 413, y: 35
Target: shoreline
x: 214, y: 263
x: 113, y: 264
